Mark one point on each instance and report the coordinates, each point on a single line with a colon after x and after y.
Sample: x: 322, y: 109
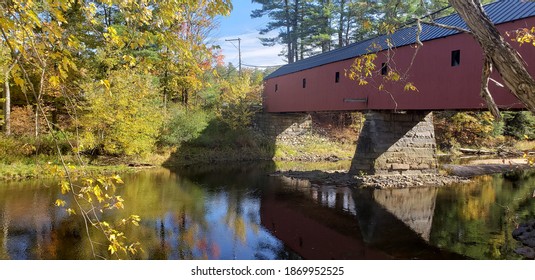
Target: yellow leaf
x: 118, y: 179
x: 112, y: 249
x: 60, y: 203
x: 54, y: 81
x: 18, y: 81
x: 65, y: 187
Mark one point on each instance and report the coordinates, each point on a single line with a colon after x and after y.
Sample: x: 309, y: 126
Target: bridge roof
x: 499, y: 12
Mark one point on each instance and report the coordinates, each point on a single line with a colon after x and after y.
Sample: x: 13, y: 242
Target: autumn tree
x: 73, y: 55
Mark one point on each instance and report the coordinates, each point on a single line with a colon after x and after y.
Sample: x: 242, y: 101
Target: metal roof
x: 499, y: 12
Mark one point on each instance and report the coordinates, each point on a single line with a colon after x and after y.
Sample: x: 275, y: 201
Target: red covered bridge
x: 447, y: 71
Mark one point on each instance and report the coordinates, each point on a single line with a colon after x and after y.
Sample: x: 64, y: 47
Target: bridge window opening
x: 337, y: 77
x: 455, y: 58
x: 304, y: 83
x: 384, y: 69
x: 276, y: 87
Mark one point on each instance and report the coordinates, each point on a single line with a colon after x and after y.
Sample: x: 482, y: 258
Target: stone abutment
x: 394, y: 143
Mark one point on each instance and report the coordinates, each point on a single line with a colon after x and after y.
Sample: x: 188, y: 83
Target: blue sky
x: 240, y: 25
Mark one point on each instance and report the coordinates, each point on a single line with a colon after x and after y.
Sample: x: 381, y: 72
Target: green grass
x: 312, y: 148
x: 23, y: 171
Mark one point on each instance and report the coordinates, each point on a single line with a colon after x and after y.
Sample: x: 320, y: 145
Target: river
x: 240, y: 212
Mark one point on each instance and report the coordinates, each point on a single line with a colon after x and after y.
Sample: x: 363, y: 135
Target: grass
x: 312, y: 147
x: 525, y: 145
x: 23, y: 171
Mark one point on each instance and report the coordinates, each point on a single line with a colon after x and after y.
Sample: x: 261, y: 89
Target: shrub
x: 519, y: 124
x: 23, y: 121
x: 463, y: 128
x: 124, y: 114
x: 183, y: 125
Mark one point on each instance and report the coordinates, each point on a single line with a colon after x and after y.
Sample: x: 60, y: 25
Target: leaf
x: 60, y: 203
x: 54, y: 81
x: 18, y: 81
x: 112, y: 249
x: 65, y: 187
x: 118, y: 179
x: 410, y: 87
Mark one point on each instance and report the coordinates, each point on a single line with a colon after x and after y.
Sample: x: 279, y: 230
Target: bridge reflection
x: 352, y: 224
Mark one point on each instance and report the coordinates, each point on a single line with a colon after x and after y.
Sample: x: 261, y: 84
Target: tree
x: 308, y: 27
x: 498, y: 53
x: 69, y: 53
x: 284, y: 16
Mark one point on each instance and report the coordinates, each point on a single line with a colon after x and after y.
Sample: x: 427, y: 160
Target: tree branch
x: 451, y: 27
x: 485, y: 93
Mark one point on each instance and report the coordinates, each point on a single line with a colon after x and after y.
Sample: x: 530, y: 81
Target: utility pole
x: 239, y: 51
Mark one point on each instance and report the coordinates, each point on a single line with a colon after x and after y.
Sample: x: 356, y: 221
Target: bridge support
x: 393, y: 143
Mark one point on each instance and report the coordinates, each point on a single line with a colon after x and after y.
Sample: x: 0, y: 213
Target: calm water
x: 242, y: 213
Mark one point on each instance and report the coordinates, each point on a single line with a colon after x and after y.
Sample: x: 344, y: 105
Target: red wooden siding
x: 440, y: 86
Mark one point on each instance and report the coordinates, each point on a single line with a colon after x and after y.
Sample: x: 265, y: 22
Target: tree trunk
x: 295, y: 30
x: 507, y: 61
x: 288, y: 32
x: 341, y: 22
x: 37, y: 120
x: 7, y: 107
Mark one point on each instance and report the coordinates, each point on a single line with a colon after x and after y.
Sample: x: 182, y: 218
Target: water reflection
x: 242, y: 213
x: 477, y: 219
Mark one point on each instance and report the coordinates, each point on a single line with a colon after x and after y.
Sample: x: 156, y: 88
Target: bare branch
x: 485, y: 93
x: 459, y: 29
x: 419, y: 32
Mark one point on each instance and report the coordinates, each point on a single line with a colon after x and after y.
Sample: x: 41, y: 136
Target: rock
x: 518, y: 232
x: 526, y: 252
x: 525, y: 233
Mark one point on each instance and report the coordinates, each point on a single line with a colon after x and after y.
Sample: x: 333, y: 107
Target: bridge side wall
x: 441, y: 86
x: 396, y: 144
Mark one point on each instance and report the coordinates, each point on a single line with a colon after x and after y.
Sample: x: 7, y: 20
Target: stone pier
x: 283, y: 125
x: 396, y: 143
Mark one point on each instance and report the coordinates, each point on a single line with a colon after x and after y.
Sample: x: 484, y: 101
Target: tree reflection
x: 476, y: 219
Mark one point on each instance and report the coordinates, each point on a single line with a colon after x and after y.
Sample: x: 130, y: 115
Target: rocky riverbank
x: 525, y: 233
x: 344, y: 179
x: 455, y: 174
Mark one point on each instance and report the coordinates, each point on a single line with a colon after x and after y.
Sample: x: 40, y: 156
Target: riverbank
x: 26, y: 171
x: 448, y: 175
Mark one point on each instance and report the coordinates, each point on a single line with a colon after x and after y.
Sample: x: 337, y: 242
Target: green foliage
x: 238, y: 96
x: 123, y: 114
x: 519, y: 124
x: 183, y: 125
x: 97, y: 62
x: 307, y: 27
x: 25, y: 149
x: 463, y: 128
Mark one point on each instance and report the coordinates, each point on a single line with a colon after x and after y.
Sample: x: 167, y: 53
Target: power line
x: 261, y: 66
x: 239, y: 50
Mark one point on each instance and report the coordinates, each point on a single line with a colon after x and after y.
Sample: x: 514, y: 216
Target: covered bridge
x: 398, y: 136
x: 446, y: 70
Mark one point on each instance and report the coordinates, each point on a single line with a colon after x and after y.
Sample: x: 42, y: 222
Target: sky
x: 240, y: 25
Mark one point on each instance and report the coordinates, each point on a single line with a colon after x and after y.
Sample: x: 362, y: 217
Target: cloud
x: 253, y: 52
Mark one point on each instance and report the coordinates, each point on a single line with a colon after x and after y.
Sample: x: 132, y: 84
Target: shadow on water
x: 334, y: 222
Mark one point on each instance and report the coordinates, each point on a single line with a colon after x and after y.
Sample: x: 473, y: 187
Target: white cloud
x: 253, y: 52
